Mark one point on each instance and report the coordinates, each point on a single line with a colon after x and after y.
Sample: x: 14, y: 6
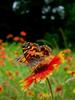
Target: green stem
x: 50, y: 88
x: 63, y: 36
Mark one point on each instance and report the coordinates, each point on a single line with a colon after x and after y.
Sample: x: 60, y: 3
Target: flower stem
x: 63, y: 36
x: 50, y: 88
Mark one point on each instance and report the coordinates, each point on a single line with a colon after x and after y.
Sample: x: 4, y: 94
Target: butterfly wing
x: 33, y: 54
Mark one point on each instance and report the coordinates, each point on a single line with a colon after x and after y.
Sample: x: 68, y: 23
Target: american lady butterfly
x: 35, y: 55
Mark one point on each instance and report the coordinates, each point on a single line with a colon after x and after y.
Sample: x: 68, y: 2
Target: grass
x: 11, y: 73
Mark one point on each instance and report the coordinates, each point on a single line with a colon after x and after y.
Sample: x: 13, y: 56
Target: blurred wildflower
x: 6, y: 83
x: 17, y: 72
x: 16, y: 39
x: 69, y: 59
x: 16, y: 53
x: 10, y: 74
x: 46, y: 95
x: 58, y: 89
x: 30, y: 93
x: 11, y: 61
x: 2, y: 63
x: 9, y: 36
x: 4, y: 44
x: 1, y: 88
x: 2, y: 54
x: 2, y: 48
x: 67, y: 50
x: 22, y: 33
x: 1, y: 41
x: 66, y: 68
x: 43, y: 72
x: 42, y: 95
x: 72, y: 72
x: 21, y: 40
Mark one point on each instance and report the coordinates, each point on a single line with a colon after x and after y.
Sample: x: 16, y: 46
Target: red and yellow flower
x: 9, y: 36
x: 72, y: 72
x: 22, y: 33
x: 1, y: 88
x: 42, y: 72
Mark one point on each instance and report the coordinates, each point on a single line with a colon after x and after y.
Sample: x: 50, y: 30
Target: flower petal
x: 27, y: 82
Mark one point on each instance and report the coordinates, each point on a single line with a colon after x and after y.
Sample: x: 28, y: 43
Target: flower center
x: 40, y: 68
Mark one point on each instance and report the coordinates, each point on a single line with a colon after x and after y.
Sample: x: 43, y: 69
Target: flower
x: 16, y: 38
x: 9, y: 36
x: 67, y: 50
x: 21, y: 40
x: 2, y: 63
x: 2, y: 54
x: 10, y: 74
x: 42, y: 95
x: 22, y: 33
x: 72, y: 72
x: 1, y: 88
x: 42, y: 72
x: 30, y: 93
x: 2, y: 48
x: 58, y: 89
x: 17, y: 73
x: 1, y: 41
x: 66, y: 68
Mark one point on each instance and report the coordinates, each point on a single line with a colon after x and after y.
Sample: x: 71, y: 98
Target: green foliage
x: 52, y: 39
x: 11, y: 84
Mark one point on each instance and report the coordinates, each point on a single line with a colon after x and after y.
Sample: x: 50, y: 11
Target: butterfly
x: 34, y: 55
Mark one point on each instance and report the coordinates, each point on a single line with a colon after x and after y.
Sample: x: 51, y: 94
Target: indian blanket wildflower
x: 10, y: 74
x: 30, y: 93
x: 22, y: 33
x: 42, y: 72
x: 16, y: 38
x: 72, y: 72
x: 42, y: 95
x: 1, y: 88
x: 58, y: 89
x: 9, y: 36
